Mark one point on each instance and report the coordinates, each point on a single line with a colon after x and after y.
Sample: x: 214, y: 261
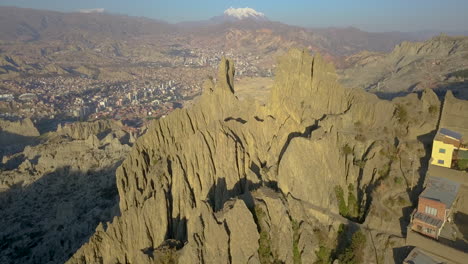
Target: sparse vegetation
x: 462, y: 164
x: 354, y: 253
x: 264, y: 243
x: 401, y: 114
x: 433, y: 109
x: 166, y: 255
x: 343, y: 209
x: 402, y: 201
x: 350, y: 210
x: 323, y: 255
x: 353, y: 207
x: 346, y: 150
x: 296, y: 252
x: 360, y: 163
x: 348, y: 250
x: 391, y: 153
x: 398, y: 180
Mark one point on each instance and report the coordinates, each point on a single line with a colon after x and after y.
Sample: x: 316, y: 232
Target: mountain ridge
x: 412, y: 66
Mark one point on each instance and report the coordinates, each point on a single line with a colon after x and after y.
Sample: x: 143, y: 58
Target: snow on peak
x: 241, y: 13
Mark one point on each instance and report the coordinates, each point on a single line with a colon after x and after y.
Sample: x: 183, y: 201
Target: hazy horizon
x: 399, y: 15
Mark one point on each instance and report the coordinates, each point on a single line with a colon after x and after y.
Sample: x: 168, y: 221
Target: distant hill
x: 43, y: 42
x: 22, y: 24
x: 440, y: 63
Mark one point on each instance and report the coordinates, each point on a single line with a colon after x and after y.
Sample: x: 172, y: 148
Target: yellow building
x: 443, y: 147
x: 442, y: 154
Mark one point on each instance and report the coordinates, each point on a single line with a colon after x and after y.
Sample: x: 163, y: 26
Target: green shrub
x: 402, y: 201
x: 462, y: 164
x: 264, y: 250
x: 323, y: 255
x: 346, y: 150
x: 354, y: 253
x: 398, y: 180
x: 341, y: 201
x: 384, y: 172
x: 360, y: 163
x: 353, y: 207
x: 401, y: 114
x: 264, y: 243
x: 433, y: 109
x: 390, y: 152
x: 296, y: 252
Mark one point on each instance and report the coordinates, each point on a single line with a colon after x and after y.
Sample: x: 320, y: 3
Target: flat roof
x: 417, y: 256
x: 455, y: 115
x: 450, y: 133
x: 441, y: 189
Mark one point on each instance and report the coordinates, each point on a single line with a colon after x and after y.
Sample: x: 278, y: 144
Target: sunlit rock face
x: 196, y: 174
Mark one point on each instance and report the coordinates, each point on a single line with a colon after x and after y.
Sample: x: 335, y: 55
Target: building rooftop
x: 417, y: 256
x: 441, y: 189
x: 450, y: 133
x: 455, y: 115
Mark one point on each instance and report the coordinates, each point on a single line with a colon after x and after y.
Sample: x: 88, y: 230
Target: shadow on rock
x: 219, y: 193
x: 11, y: 143
x: 48, y: 220
x: 426, y: 140
x: 405, y: 219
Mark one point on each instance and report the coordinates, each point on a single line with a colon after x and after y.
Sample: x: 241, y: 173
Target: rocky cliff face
x: 231, y: 181
x: 412, y: 66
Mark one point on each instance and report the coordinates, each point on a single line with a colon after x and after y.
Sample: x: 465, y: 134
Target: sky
x: 369, y: 15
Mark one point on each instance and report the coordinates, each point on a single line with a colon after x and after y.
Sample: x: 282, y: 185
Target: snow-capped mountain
x: 237, y: 14
x: 243, y: 13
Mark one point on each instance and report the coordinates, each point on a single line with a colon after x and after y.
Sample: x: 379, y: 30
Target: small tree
x: 354, y: 254
x: 462, y: 164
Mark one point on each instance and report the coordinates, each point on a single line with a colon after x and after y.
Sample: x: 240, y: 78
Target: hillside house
x: 445, y: 147
x: 434, y: 206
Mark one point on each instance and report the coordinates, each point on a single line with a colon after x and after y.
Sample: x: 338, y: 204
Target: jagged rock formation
x: 24, y: 127
x: 15, y: 135
x: 53, y: 194
x: 227, y: 177
x: 412, y: 66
